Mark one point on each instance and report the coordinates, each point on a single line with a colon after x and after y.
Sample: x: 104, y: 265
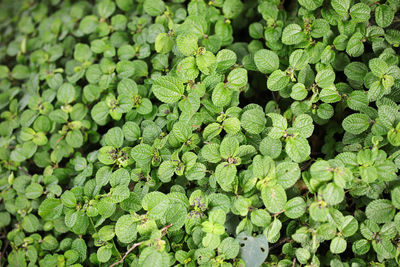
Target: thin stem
x: 91, y: 222
x: 116, y: 248
x: 164, y: 231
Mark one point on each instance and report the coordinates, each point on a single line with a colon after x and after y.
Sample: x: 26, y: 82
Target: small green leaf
x: 187, y: 43
x: 356, y: 123
x: 384, y: 15
x: 295, y: 208
x: 277, y: 81
x: 126, y: 229
x: 380, y: 211
x: 298, y: 149
x: 168, y: 89
x: 338, y: 245
x: 341, y: 6
x: 266, y: 61
x: 293, y: 34
x: 253, y: 121
x: 274, y: 198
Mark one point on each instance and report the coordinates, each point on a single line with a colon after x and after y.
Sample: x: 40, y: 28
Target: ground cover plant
x: 199, y: 133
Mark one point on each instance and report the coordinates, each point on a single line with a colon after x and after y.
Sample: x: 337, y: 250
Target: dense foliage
x: 185, y: 133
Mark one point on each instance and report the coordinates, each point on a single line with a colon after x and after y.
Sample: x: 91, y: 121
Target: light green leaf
x: 266, y: 61
x: 274, y: 198
x: 168, y: 89
x: 356, y: 123
x: 297, y: 149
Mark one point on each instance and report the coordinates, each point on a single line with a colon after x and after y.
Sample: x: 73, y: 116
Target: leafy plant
x: 199, y: 133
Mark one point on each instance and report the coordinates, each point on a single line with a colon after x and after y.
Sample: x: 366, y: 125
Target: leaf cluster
x: 194, y: 133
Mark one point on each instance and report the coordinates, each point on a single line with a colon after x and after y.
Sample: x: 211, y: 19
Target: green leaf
x: 212, y: 130
x: 107, y: 155
x: 287, y: 174
x: 229, y: 247
x: 355, y: 46
x: 303, y: 124
x: 187, y: 69
x: 338, y: 245
x: 82, y: 52
x: 277, y: 81
x: 99, y: 113
x: 33, y: 191
x: 120, y: 177
x: 126, y: 229
x: 176, y: 215
x: 384, y: 15
x: 319, y: 28
x: 274, y: 198
x: 360, y: 12
x: 104, y: 253
x: 182, y: 131
x: 210, y: 152
x: 295, y: 208
x: 361, y: 247
x: 163, y: 43
x: 106, y: 8
x: 20, y: 72
x: 349, y: 226
x: 270, y: 147
x: 293, y: 34
x: 278, y: 121
x: 106, y: 207
x: 68, y: 199
x: 341, y: 6
x: 380, y: 211
x: 358, y: 100
x: 225, y: 59
x: 197, y: 172
x: 232, y: 8
x: 50, y: 209
x: 229, y: 147
x: 142, y: 154
x: 131, y: 131
x: 253, y: 121
x: 225, y: 173
x: 298, y: 59
x: 156, y: 204
x: 187, y: 43
x: 266, y: 61
x: 221, y: 95
x: 260, y: 217
x: 66, y: 93
x: 332, y: 193
x: 205, y: 61
x: 356, y: 123
x: 74, y: 138
x: 119, y: 193
x: 311, y: 4
x: 325, y: 78
x: 88, y: 24
x: 165, y: 171
x: 299, y: 92
x: 231, y: 125
x: 297, y: 149
x: 154, y: 7
x: 321, y: 170
x: 30, y: 223
x: 378, y: 67
x: 237, y: 78
x: 318, y: 212
x: 168, y: 89
x: 127, y: 87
